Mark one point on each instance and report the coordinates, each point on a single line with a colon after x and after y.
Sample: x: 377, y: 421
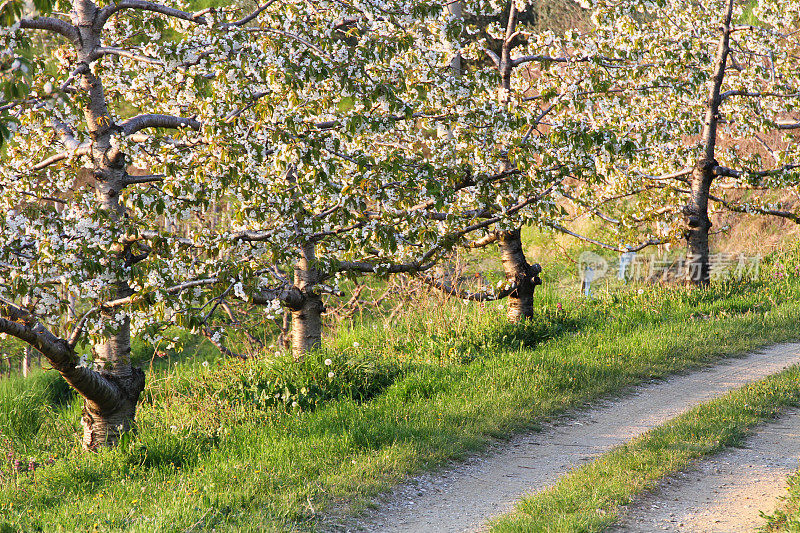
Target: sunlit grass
x: 273, y: 445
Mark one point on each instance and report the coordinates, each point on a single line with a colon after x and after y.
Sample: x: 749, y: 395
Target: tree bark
x: 307, y: 316
x: 524, y: 276
x: 104, y: 422
x: 698, y: 224
x: 105, y: 419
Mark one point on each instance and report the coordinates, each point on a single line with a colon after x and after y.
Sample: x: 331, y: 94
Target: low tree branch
x: 748, y: 208
x: 483, y: 296
x: 619, y: 249
x: 52, y: 25
x: 140, y: 122
x: 733, y: 173
x: 483, y: 241
x: 288, y: 295
x: 20, y: 324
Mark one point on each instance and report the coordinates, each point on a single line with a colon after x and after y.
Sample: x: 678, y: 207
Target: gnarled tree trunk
x: 105, y: 419
x: 524, y: 276
x: 110, y: 393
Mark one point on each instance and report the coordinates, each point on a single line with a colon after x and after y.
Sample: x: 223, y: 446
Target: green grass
x: 224, y: 446
x: 590, y: 498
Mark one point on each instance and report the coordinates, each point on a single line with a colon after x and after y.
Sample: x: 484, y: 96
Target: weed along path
x: 464, y: 498
x: 724, y: 493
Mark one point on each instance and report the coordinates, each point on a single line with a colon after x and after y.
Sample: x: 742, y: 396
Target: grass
x: 270, y: 445
x: 590, y: 498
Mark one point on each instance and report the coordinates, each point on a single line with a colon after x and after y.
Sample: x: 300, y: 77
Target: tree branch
x: 366, y: 267
x: 484, y: 296
x: 564, y: 59
x: 73, y: 147
x: 674, y: 175
x: 20, y: 324
x: 297, y: 38
x: 121, y: 52
x: 132, y: 125
x: 83, y: 150
x: 133, y: 180
x: 752, y: 94
x: 746, y: 208
x: 142, y: 5
x: 171, y: 290
x: 289, y: 295
x: 251, y: 16
x: 53, y: 25
x: 619, y: 249
x: 788, y: 125
x: 221, y: 347
x: 732, y: 173
x: 483, y: 241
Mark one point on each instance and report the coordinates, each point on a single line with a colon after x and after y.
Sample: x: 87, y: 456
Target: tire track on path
x: 464, y: 497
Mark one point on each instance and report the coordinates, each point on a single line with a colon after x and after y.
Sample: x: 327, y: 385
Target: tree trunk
x: 524, y: 276
x: 307, y: 326
x: 284, y: 339
x: 307, y: 317
x: 104, y: 422
x: 110, y: 393
x: 696, y: 211
x: 109, y: 414
x: 27, y: 359
x: 698, y: 224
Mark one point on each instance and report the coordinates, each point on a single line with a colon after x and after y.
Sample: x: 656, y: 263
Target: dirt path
x: 463, y: 498
x: 724, y: 493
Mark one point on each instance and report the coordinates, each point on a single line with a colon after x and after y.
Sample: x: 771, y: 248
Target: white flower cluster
x: 334, y: 124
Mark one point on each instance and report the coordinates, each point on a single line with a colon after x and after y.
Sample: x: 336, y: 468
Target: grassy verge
x: 590, y: 498
x: 224, y: 446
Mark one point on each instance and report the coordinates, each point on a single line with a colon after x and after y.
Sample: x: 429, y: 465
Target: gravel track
x: 724, y: 493
x: 464, y: 496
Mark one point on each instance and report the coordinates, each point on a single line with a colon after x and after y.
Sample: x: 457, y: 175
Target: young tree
x: 384, y: 161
